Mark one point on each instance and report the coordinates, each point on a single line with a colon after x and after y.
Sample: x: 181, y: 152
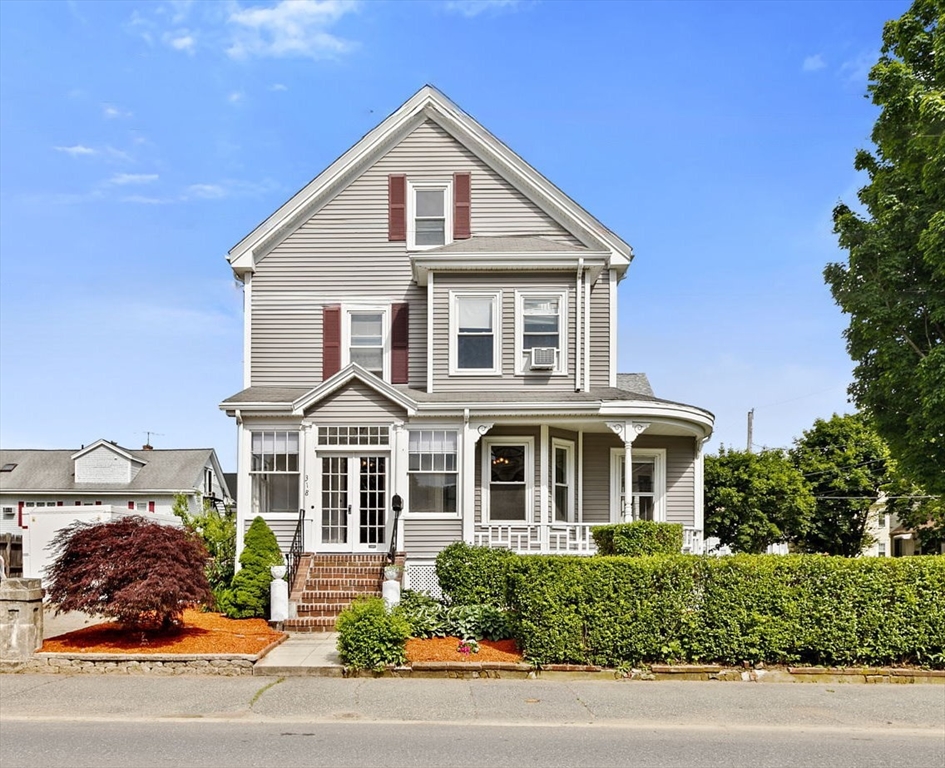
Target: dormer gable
x: 105, y: 462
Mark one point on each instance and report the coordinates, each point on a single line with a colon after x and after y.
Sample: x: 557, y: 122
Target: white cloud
x: 205, y: 192
x: 112, y: 112
x: 133, y: 178
x: 472, y: 8
x: 77, y: 150
x: 181, y: 40
x: 236, y: 97
x: 813, y: 63
x: 290, y: 28
x: 278, y: 87
x: 227, y: 188
x: 145, y: 200
x: 857, y: 69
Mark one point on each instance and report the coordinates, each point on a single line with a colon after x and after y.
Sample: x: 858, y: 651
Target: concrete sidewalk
x: 303, y: 655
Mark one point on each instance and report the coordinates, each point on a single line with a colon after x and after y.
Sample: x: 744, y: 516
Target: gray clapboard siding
x: 423, y: 539
x: 355, y: 403
x: 600, y: 332
x: 342, y: 254
x: 680, y: 475
x: 597, y: 475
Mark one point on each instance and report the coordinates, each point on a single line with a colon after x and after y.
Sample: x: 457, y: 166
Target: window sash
x: 433, y: 471
x: 275, y: 451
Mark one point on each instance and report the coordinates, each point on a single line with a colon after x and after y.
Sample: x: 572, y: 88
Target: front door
x: 354, y: 503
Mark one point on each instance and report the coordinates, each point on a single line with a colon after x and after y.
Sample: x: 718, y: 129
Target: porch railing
x: 558, y: 538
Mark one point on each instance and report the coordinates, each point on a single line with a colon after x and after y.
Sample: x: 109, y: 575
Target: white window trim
x: 412, y: 188
x: 521, y: 359
x: 496, y: 369
x: 659, y: 480
x: 346, y: 311
x: 408, y: 513
x: 486, y: 483
x: 568, y: 446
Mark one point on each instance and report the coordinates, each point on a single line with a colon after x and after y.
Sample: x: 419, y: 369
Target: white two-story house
x: 432, y: 322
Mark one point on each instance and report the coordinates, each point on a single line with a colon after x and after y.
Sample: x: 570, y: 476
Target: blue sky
x: 140, y: 141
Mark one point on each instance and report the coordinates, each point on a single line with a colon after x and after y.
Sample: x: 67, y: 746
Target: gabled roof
x: 429, y: 104
x: 168, y: 470
x: 341, y: 379
x: 113, y: 447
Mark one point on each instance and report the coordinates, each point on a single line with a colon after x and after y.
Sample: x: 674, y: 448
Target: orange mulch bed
x: 201, y: 633
x: 444, y: 649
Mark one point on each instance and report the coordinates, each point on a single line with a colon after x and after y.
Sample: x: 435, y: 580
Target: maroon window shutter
x: 461, y: 195
x: 21, y: 521
x: 331, y: 341
x: 397, y: 207
x: 399, y: 337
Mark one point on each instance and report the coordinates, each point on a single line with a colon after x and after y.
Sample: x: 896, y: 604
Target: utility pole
x: 751, y: 422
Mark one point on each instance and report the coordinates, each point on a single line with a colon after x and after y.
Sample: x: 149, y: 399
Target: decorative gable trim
x: 340, y: 379
x: 429, y: 103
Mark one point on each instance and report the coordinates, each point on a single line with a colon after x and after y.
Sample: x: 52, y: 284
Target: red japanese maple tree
x: 136, y: 571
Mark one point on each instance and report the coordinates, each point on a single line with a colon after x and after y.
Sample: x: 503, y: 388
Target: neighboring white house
x: 98, y: 481
x: 432, y: 319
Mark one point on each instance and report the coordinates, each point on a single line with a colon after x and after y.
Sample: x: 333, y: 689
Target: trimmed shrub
x: 642, y: 537
x: 428, y: 617
x: 473, y: 575
x: 808, y: 609
x: 248, y: 597
x: 136, y: 571
x: 369, y: 637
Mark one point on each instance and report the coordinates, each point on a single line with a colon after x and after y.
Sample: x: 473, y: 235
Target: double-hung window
x: 429, y: 214
x: 507, y: 479
x: 563, y: 480
x: 474, y: 342
x: 275, y: 472
x: 541, y: 320
x: 432, y: 471
x: 365, y: 339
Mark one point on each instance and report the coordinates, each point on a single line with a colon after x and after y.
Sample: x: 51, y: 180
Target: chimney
x: 147, y: 447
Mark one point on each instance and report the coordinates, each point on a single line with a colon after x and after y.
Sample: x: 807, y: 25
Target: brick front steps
x: 327, y: 584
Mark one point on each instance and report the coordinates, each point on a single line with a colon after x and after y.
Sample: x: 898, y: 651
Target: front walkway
x: 311, y: 654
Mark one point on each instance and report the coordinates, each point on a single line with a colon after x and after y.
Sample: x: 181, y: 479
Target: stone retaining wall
x: 120, y: 664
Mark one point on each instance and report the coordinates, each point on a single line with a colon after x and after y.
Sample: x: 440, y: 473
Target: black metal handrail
x: 397, y: 504
x: 295, y: 551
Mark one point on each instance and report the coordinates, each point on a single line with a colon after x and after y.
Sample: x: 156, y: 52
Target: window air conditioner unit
x: 543, y: 358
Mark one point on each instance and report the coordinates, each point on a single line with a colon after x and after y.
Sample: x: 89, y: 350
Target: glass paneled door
x: 354, y: 503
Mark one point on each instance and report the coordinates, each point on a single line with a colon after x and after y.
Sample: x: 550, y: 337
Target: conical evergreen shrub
x: 248, y: 597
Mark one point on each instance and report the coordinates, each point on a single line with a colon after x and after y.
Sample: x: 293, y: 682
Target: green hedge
x: 471, y: 575
x: 642, y: 537
x: 369, y: 636
x: 798, y: 609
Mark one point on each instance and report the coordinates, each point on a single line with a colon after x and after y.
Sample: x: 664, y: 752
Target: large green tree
x: 847, y: 466
x: 753, y: 500
x: 893, y: 285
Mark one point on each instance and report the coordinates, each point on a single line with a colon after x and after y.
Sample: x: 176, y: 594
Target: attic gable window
x: 429, y: 214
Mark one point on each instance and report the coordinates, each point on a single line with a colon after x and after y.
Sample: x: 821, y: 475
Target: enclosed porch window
x: 275, y: 472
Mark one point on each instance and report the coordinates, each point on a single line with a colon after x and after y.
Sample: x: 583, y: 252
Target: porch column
x: 244, y: 492
x: 472, y: 432
x: 308, y: 466
x: 628, y: 431
x: 399, y: 447
x: 543, y: 506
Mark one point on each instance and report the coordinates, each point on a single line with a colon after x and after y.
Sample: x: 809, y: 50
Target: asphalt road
x: 50, y: 720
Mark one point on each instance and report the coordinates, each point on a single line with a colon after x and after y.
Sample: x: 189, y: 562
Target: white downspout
x: 578, y: 324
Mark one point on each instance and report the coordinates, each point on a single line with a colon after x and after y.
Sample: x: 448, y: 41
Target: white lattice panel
x: 421, y: 577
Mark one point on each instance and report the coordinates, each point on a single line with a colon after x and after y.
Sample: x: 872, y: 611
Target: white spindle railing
x: 557, y: 539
